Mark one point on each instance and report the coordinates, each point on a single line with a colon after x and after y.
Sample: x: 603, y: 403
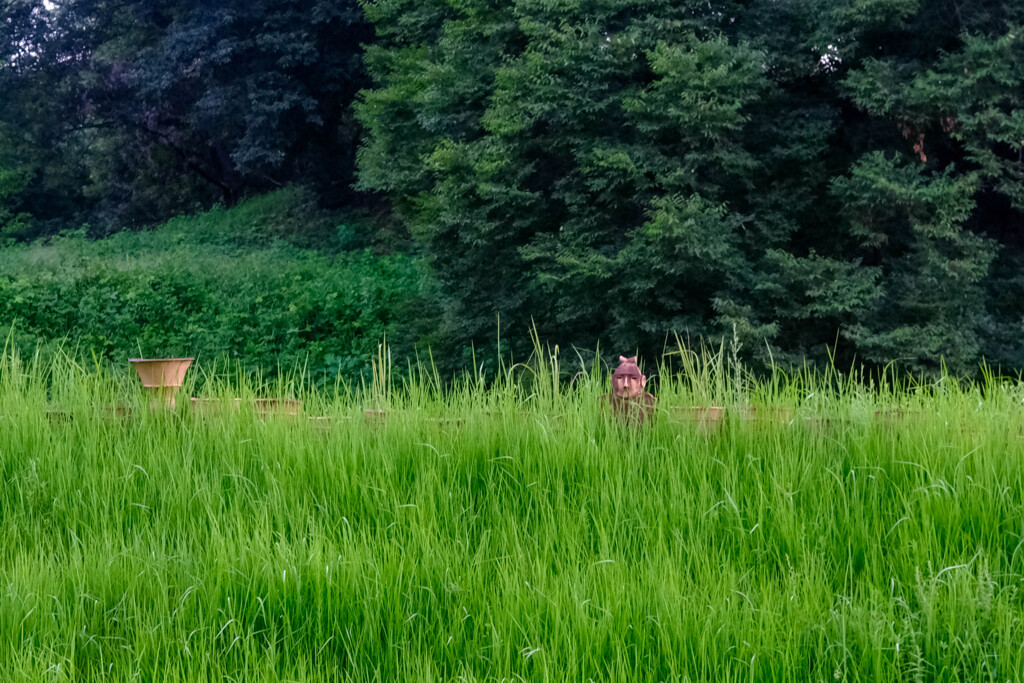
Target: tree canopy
x: 827, y: 177
x: 821, y: 179
x: 164, y: 107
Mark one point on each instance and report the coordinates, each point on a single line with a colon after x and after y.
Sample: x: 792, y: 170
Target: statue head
x: 627, y: 380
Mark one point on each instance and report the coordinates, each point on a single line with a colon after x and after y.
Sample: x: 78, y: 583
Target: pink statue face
x: 627, y: 380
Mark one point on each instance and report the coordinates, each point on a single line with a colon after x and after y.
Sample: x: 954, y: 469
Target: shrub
x: 200, y: 286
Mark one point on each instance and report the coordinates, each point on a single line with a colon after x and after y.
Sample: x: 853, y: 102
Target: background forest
x: 288, y: 182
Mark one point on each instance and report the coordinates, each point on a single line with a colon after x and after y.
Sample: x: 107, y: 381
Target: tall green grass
x: 510, y: 530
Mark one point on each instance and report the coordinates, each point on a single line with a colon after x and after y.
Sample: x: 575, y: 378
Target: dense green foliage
x: 224, y: 285
x: 810, y: 174
x: 827, y: 180
x: 523, y: 538
x: 127, y: 113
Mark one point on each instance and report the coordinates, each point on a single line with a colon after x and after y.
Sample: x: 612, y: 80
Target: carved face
x: 627, y: 380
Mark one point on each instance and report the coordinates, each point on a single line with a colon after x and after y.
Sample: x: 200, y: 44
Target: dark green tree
x: 616, y: 171
x: 13, y: 224
x: 570, y: 164
x: 944, y: 222
x: 173, y: 104
x: 41, y: 66
x: 612, y: 171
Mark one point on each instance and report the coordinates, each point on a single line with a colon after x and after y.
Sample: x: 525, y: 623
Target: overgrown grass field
x: 863, y: 532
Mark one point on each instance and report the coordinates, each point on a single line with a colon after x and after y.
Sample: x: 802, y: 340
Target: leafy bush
x: 199, y: 286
